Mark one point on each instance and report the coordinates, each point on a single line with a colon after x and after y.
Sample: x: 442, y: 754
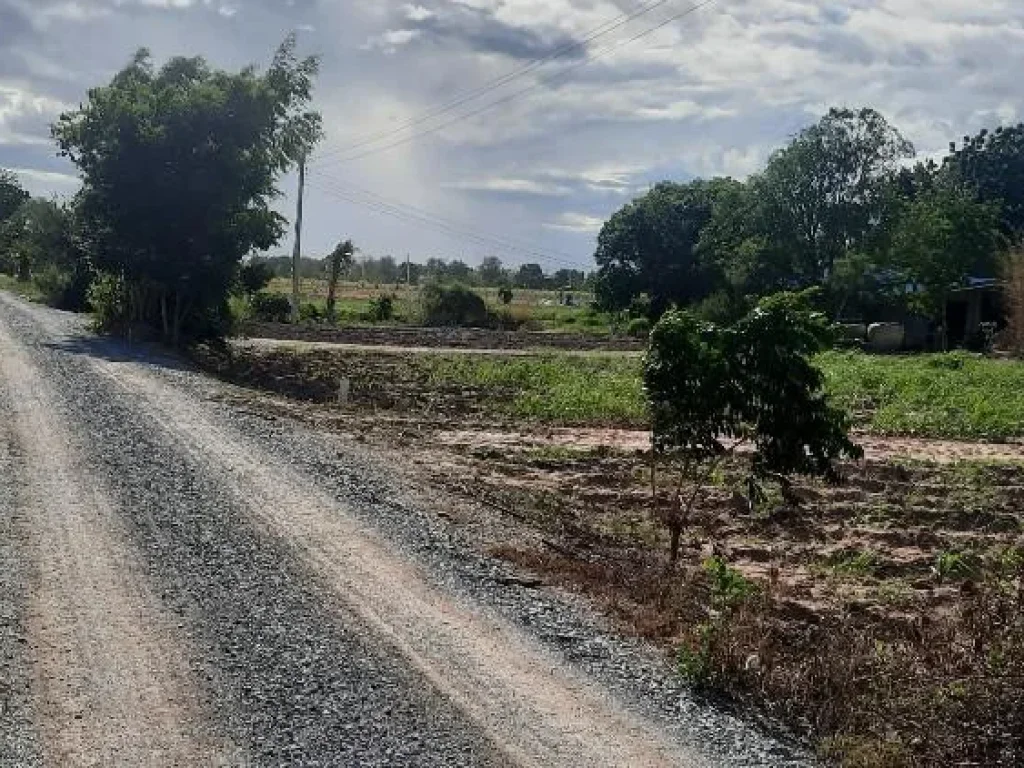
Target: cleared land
x: 882, y: 619
x: 189, y: 582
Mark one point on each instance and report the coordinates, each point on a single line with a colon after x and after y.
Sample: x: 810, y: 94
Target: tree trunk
x: 332, y: 289
x: 677, y: 533
x: 163, y: 315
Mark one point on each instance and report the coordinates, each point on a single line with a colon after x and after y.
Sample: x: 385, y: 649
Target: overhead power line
x: 523, y: 91
x: 459, y: 99
x: 451, y: 229
x: 420, y: 212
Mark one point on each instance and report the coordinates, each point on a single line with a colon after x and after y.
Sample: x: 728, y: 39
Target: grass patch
x: 30, y: 290
x: 958, y: 395
x: 597, y: 389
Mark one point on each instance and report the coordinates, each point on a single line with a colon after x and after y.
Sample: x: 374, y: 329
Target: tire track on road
x: 111, y: 681
x: 530, y: 704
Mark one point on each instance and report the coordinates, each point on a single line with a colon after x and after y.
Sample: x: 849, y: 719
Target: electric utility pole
x: 297, y: 253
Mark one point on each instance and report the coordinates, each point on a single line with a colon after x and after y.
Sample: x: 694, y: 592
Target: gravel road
x: 183, y: 582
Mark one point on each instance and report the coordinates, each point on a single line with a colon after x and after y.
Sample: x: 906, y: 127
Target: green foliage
x: 531, y: 277
x: 12, y: 196
x: 826, y: 192
x: 492, y: 272
x: 453, y: 305
x: 957, y: 566
x: 340, y: 262
x: 729, y: 587
x: 651, y: 246
x: 108, y: 297
x: 940, y: 239
x: 956, y: 396
x: 505, y: 295
x: 599, y: 389
x: 254, y: 276
x: 310, y: 313
x: 271, y: 307
x: 639, y: 328
x: 179, y: 169
x: 712, y: 389
x: 695, y: 660
x: 382, y: 308
x: 990, y: 167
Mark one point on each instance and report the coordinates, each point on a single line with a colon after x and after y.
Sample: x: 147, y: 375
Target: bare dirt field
x: 880, y: 618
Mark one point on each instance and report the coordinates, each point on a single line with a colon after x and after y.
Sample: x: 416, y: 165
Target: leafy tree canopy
x: 825, y: 193
x: 712, y: 389
x: 991, y: 166
x: 179, y: 167
x: 12, y: 196
x: 651, y: 246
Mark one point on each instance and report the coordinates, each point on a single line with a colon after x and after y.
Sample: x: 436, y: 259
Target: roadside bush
x: 254, y: 276
x: 310, y: 313
x: 108, y: 297
x: 52, y: 283
x: 382, y: 309
x: 639, y: 328
x: 271, y: 307
x: 712, y: 390
x: 453, y: 305
x: 505, y: 295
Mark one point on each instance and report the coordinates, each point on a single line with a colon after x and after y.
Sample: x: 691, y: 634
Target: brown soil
x: 901, y: 556
x: 446, y: 338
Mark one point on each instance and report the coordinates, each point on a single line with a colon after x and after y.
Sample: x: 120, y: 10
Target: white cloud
x: 417, y: 12
x: 516, y: 186
x: 391, y: 41
x: 710, y: 94
x: 576, y: 222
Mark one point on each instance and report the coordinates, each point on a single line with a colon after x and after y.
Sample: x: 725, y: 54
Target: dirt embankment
x: 452, y: 338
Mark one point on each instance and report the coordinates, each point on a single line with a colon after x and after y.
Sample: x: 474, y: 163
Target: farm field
x: 871, y: 619
x: 535, y: 310
x: 951, y: 396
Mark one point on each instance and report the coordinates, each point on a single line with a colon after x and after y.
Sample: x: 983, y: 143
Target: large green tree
x: 940, y: 239
x: 12, y: 195
x: 179, y: 168
x: 826, y: 192
x: 991, y: 166
x: 651, y: 246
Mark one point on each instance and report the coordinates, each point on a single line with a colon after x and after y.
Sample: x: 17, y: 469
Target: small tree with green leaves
x: 714, y: 390
x: 341, y: 260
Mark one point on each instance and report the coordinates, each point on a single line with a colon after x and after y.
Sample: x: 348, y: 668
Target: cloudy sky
x: 592, y: 107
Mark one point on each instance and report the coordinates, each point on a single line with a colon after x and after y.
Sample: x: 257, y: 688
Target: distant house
x: 971, y: 307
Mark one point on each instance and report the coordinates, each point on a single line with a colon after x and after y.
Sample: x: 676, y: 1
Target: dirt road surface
x: 186, y: 583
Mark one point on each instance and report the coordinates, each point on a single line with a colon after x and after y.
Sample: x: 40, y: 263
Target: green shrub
x: 108, y: 297
x: 254, y: 276
x: 453, y: 305
x: 505, y: 295
x: 712, y: 389
x: 271, y: 307
x: 52, y: 283
x: 382, y: 309
x: 310, y: 313
x: 639, y: 328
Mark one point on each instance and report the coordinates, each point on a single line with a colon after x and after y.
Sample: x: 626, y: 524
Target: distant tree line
x: 387, y: 270
x: 842, y: 207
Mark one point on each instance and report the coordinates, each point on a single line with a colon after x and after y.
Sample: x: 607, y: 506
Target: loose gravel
x: 291, y: 670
